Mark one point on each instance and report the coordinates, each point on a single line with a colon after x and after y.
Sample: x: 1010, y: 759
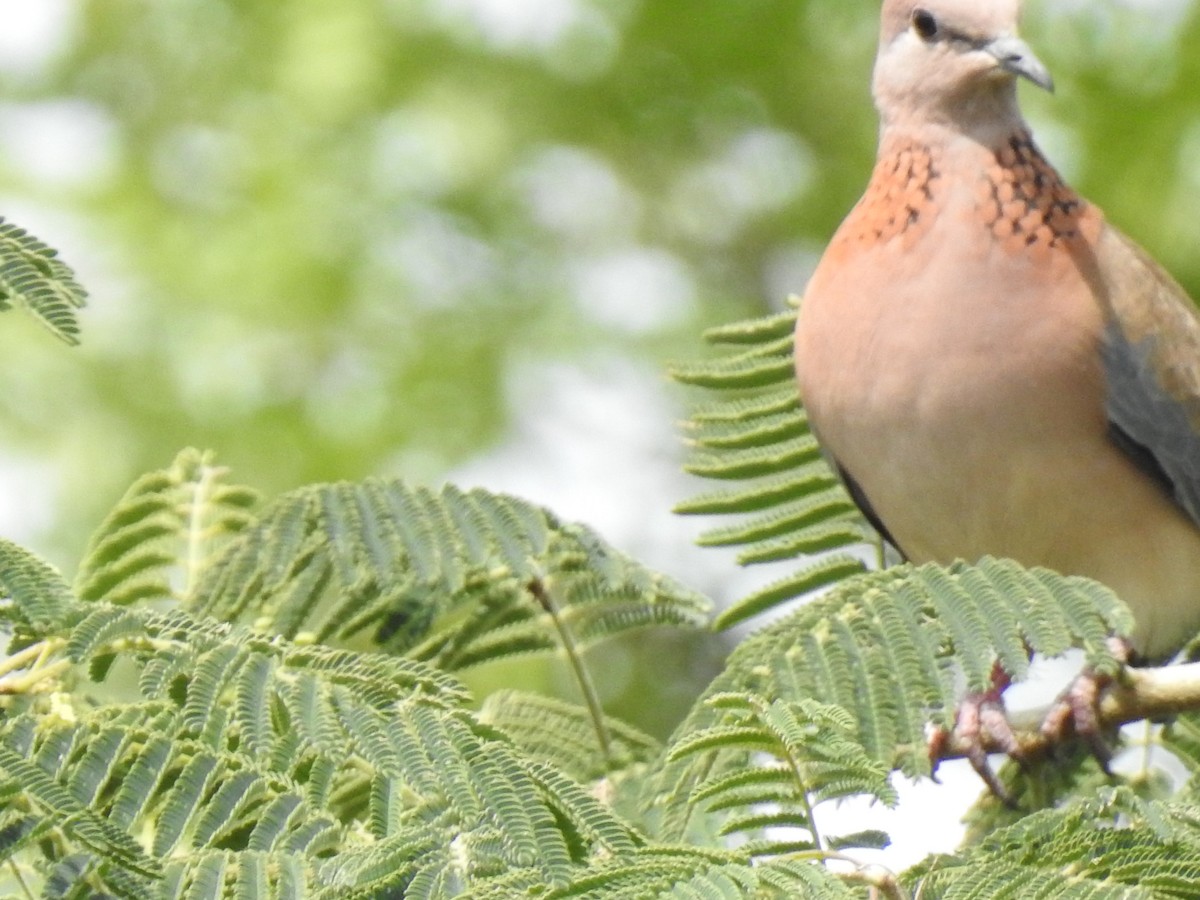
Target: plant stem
x: 202, y: 489
x: 19, y: 660
x: 16, y: 870
x: 24, y: 684
x: 36, y: 657
x: 540, y: 591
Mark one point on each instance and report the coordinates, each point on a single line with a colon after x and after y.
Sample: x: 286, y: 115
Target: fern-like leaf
x: 1110, y: 845
x: 756, y: 440
x: 891, y: 648
x: 683, y: 873
x: 815, y: 759
x: 33, y: 595
x: 452, y: 577
x: 564, y: 735
x: 307, y: 769
x: 32, y: 276
x: 163, y: 534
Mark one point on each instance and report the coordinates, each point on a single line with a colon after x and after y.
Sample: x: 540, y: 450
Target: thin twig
x: 25, y: 670
x: 538, y: 588
x: 882, y: 881
x: 19, y: 660
x: 25, y: 683
x: 16, y: 870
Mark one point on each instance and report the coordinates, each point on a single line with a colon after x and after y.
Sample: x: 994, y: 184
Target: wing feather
x: 1151, y: 358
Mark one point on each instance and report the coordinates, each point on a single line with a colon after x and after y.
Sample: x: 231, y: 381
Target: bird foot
x: 1076, y: 711
x: 982, y: 721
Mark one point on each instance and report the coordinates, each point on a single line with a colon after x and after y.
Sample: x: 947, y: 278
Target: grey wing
x: 1151, y: 359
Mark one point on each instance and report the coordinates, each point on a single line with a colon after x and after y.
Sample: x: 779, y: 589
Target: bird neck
x: 986, y: 113
x: 1014, y: 192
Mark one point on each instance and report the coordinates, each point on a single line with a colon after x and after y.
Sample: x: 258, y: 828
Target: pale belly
x: 947, y: 405
x: 974, y: 473
x: 979, y: 429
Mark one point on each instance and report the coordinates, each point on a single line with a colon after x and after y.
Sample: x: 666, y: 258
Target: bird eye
x: 924, y: 24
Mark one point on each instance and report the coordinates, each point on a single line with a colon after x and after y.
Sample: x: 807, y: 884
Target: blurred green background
x: 461, y: 238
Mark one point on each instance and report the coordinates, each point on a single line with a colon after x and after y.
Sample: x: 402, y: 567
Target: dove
x: 991, y: 367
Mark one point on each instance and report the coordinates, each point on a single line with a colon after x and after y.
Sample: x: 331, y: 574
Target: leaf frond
x: 1110, y: 845
x: 754, y: 437
x: 164, y: 533
x: 34, y: 277
x: 452, y: 577
x: 890, y: 648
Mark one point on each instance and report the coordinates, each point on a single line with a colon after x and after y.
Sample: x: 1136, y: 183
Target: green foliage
x: 162, y: 534
x: 1042, y: 784
x: 689, y: 875
x: 1106, y: 845
x: 564, y: 735
x: 36, y: 595
x: 235, y: 700
x: 891, y: 650
x: 456, y: 578
x: 152, y: 751
x: 242, y: 752
x: 34, y: 278
x: 756, y: 434
x: 815, y: 758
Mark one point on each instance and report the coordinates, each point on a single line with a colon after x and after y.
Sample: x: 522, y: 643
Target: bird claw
x: 1077, y: 709
x: 980, y: 717
x: 981, y: 723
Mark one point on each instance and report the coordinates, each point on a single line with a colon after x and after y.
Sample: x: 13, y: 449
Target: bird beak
x: 1014, y: 56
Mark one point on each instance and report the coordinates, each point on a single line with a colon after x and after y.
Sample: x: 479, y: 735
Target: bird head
x: 954, y: 62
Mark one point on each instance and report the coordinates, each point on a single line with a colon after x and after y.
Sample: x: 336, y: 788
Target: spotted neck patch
x: 1024, y: 202
x: 1020, y: 198
x: 899, y: 201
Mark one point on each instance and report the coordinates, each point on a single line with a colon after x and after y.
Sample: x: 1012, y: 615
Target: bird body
x: 993, y: 368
